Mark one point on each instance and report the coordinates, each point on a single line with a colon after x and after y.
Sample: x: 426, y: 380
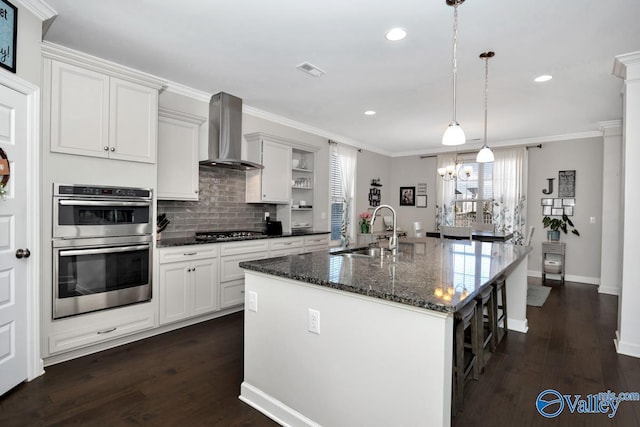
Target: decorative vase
x: 553, y: 235
x: 364, y: 228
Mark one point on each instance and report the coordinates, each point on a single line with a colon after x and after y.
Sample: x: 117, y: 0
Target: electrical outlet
x: 314, y: 321
x: 253, y: 301
x: 323, y: 215
x: 266, y: 216
x: 592, y: 220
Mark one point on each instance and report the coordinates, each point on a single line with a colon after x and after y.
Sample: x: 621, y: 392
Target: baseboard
x: 518, y: 325
x: 567, y: 277
x: 273, y: 408
x: 626, y: 348
x: 609, y: 290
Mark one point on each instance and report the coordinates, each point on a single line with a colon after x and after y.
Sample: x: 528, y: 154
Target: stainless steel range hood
x: 225, y: 134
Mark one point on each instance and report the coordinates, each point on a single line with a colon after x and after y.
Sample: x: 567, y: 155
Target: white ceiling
x: 250, y: 48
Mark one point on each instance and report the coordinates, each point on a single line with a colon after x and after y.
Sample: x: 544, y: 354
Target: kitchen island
x: 342, y: 340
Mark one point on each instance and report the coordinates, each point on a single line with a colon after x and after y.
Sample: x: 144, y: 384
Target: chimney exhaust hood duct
x: 225, y: 134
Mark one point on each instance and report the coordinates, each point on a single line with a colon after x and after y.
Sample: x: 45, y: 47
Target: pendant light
x: 485, y: 154
x: 454, y: 135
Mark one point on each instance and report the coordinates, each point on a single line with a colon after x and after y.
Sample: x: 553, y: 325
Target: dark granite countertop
x: 166, y: 243
x: 428, y: 273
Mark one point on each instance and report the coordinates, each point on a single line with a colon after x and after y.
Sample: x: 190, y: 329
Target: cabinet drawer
x: 99, y: 332
x: 287, y: 251
x: 286, y: 243
x: 232, y: 293
x: 244, y: 247
x: 319, y: 240
x: 314, y: 248
x: 187, y: 253
x: 229, y: 269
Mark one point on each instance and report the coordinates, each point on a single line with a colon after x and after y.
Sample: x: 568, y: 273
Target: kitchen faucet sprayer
x: 393, y: 240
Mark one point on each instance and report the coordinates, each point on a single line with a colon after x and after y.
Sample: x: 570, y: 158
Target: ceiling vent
x: 311, y: 69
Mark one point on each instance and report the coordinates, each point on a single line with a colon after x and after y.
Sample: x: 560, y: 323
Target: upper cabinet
x: 271, y: 184
x: 179, y: 136
x: 97, y: 108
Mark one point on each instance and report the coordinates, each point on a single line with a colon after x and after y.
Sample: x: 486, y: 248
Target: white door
x: 13, y: 236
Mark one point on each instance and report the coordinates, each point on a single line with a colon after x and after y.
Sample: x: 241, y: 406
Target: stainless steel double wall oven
x: 101, y: 247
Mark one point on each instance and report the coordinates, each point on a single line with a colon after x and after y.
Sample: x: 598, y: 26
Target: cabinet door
x: 79, y: 111
x: 276, y: 180
x: 174, y: 291
x: 133, y: 126
x: 204, y: 286
x: 178, y: 143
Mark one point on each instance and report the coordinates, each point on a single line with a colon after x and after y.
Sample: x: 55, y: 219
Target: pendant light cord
x: 485, y: 56
x: 455, y: 62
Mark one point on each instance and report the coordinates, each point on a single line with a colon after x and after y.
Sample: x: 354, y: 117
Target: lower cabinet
x: 188, y: 283
x: 316, y: 242
x: 135, y: 319
x: 231, y: 275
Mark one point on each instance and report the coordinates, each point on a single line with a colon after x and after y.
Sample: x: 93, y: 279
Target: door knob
x: 23, y: 253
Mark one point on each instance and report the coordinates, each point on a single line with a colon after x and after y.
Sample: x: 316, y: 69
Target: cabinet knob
x: 113, y: 148
x: 106, y: 148
x: 196, y: 191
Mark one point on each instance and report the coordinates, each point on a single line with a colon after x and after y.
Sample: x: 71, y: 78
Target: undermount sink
x: 363, y: 253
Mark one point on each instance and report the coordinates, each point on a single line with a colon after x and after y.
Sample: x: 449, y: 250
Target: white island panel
x: 374, y: 363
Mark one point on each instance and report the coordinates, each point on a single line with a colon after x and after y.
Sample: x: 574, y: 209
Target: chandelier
x: 454, y: 135
x: 485, y: 154
x: 458, y: 172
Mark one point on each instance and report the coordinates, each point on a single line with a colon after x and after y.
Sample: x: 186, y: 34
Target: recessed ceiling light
x: 395, y: 34
x: 370, y: 113
x: 543, y: 78
x: 310, y: 69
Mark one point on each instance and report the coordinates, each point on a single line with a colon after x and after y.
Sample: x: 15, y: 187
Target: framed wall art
x: 8, y: 35
x: 407, y: 196
x: 567, y: 183
x: 421, y: 201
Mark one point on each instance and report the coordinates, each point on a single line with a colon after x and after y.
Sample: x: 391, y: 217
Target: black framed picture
x: 8, y: 35
x: 567, y: 183
x: 407, y: 196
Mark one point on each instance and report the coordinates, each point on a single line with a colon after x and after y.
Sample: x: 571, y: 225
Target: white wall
x: 372, y: 166
x: 408, y: 172
x: 585, y: 157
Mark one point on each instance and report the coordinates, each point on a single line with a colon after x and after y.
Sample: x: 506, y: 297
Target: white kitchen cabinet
x: 231, y: 275
x: 179, y: 136
x: 286, y: 246
x: 270, y: 184
x: 188, y: 284
x: 112, y: 324
x: 316, y: 242
x: 99, y: 109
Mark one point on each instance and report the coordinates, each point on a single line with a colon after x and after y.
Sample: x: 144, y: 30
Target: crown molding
x: 84, y: 60
x: 622, y: 62
x: 40, y: 9
x: 187, y: 91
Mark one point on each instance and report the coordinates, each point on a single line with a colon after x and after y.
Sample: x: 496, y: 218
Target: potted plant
x: 555, y: 225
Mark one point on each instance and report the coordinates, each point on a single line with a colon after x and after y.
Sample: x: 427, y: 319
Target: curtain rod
x: 336, y: 143
x: 428, y: 156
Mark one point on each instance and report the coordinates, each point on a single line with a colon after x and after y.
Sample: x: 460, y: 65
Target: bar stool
x: 465, y: 351
x: 486, y: 323
x: 499, y: 287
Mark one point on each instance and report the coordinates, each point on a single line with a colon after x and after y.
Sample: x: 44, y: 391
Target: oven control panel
x: 100, y: 191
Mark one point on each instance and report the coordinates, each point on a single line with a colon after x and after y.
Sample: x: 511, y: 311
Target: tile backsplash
x: 221, y: 206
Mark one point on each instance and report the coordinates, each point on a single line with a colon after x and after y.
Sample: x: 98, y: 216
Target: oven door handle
x: 74, y: 252
x: 108, y: 203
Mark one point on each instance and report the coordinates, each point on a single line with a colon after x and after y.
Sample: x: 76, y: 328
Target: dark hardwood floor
x: 191, y: 377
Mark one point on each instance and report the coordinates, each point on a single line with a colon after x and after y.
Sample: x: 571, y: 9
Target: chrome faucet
x: 393, y: 240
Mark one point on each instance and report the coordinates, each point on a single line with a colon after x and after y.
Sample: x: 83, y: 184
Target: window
x: 474, y: 196
x: 336, y: 193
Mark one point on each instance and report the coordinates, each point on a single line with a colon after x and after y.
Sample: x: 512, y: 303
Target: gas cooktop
x: 224, y: 235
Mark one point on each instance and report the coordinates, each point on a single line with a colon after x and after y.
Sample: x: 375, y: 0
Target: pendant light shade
x: 454, y: 135
x: 485, y: 154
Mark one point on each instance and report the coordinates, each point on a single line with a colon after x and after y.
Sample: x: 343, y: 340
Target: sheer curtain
x: 510, y: 192
x: 445, y: 193
x: 347, y: 156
